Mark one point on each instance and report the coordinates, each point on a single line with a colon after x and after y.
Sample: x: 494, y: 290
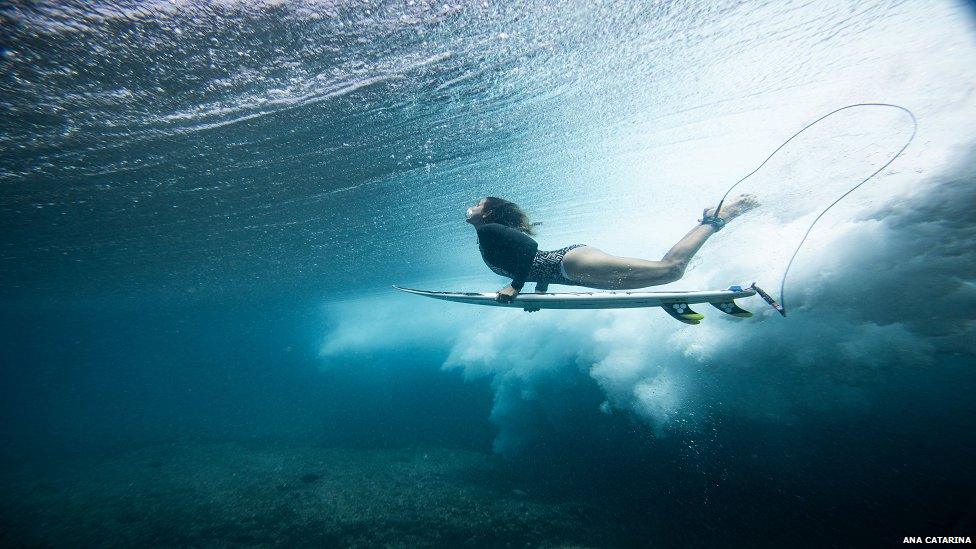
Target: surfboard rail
x: 675, y: 303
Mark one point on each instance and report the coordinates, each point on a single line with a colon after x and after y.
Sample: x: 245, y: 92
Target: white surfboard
x: 675, y: 303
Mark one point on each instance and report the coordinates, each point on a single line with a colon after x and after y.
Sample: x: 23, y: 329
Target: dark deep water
x: 132, y: 409
x: 203, y: 208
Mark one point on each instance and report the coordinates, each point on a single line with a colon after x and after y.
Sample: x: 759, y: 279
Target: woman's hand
x: 506, y: 294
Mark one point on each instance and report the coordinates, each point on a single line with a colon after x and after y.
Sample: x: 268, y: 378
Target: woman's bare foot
x: 735, y: 207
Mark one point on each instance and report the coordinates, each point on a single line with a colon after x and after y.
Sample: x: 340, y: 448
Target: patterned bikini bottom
x: 547, y: 267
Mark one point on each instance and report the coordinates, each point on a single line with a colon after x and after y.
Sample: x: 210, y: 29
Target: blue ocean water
x: 203, y: 207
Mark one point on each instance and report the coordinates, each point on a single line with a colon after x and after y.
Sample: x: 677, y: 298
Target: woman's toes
x: 747, y: 202
x: 735, y: 207
x: 739, y: 205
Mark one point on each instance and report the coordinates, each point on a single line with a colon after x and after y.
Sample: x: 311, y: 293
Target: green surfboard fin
x: 682, y: 312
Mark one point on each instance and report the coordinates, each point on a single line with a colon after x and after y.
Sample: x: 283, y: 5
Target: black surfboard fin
x: 731, y: 308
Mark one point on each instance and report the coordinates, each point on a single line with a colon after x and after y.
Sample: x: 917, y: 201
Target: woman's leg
x: 681, y: 253
x: 597, y: 269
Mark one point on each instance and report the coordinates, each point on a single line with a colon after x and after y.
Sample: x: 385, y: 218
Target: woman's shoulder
x: 496, y: 234
x: 492, y: 228
x: 497, y: 230
x: 498, y: 227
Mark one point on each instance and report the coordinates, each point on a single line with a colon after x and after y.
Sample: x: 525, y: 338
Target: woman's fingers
x: 506, y: 295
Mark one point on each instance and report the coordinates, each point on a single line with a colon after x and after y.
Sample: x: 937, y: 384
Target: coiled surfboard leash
x: 781, y: 305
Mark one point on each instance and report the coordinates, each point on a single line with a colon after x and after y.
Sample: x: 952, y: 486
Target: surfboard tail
x: 769, y: 299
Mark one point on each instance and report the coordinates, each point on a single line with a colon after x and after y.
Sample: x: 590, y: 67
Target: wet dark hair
x: 499, y: 210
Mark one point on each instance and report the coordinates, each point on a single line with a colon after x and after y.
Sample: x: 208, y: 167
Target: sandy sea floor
x: 254, y: 495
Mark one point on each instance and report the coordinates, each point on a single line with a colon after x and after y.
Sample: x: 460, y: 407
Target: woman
x: 503, y: 237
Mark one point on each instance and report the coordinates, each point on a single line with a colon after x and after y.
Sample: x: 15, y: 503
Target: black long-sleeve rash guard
x: 507, y: 251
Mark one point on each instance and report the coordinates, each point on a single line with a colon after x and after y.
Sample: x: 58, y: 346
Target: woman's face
x: 474, y: 212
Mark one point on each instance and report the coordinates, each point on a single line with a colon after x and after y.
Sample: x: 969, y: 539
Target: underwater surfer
x: 509, y: 250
